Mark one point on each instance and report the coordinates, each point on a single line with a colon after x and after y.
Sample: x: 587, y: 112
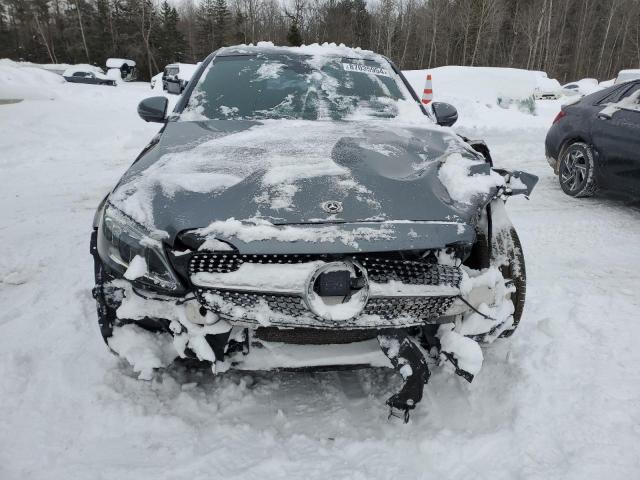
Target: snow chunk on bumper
x: 144, y: 350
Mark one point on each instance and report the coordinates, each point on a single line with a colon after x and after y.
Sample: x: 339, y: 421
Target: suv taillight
x: 560, y: 114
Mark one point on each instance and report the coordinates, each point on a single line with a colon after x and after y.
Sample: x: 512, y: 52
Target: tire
x: 106, y: 306
x: 508, y: 244
x: 505, y: 244
x: 576, y: 170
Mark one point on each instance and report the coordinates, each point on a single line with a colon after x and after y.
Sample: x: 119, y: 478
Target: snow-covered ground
x: 560, y: 400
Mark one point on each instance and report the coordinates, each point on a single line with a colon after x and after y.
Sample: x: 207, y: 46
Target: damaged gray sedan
x: 301, y: 209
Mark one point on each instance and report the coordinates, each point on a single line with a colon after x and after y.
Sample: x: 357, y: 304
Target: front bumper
x: 408, y: 291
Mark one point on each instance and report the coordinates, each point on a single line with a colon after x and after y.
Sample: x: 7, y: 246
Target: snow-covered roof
x: 119, y: 62
x: 83, y: 68
x: 628, y: 75
x: 325, y: 49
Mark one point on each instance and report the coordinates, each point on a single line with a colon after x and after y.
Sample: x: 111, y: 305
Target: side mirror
x: 446, y: 114
x: 153, y: 109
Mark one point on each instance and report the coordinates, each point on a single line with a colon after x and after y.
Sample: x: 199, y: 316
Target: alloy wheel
x: 573, y: 171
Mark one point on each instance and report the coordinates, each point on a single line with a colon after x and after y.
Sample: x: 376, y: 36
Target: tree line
x: 569, y: 39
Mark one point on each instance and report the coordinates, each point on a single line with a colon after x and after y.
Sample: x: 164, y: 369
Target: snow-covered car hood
x: 281, y: 172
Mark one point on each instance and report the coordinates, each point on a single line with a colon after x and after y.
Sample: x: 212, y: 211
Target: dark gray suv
x: 300, y: 208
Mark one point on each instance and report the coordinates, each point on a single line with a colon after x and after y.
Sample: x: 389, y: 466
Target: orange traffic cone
x: 427, y: 94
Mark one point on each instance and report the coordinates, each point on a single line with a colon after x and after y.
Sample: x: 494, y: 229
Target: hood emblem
x: 332, y: 206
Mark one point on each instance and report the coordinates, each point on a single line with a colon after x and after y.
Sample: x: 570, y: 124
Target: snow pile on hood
x: 266, y: 153
x: 456, y: 174
x: 20, y: 81
x: 257, y: 229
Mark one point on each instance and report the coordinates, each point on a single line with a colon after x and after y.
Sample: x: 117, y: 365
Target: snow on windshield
x: 309, y: 87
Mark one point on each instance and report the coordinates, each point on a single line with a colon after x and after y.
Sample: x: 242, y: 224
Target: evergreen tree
x: 205, y: 25
x: 169, y: 40
x: 222, y: 24
x: 294, y: 37
x: 361, y: 23
x: 239, y: 28
x: 100, y: 38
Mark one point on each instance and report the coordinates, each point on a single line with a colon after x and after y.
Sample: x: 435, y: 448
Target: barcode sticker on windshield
x: 356, y: 67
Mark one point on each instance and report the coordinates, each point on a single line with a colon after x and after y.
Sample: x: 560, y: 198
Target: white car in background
x: 546, y: 88
x: 627, y: 75
x: 586, y: 86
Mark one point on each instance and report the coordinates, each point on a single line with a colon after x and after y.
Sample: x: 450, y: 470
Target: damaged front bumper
x: 313, y: 311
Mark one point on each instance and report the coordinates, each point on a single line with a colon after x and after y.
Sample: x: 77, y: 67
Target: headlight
x: 120, y: 239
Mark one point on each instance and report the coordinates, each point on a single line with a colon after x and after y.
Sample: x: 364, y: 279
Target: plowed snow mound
x: 24, y: 81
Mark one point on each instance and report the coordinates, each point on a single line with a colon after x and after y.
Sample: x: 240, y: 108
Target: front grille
x: 380, y: 267
x: 290, y: 310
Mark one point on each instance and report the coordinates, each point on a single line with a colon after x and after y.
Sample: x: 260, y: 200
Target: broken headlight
x: 120, y: 240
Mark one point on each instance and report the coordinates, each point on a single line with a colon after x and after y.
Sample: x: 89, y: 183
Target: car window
x: 80, y: 74
x: 572, y: 86
x: 630, y: 91
x: 266, y: 86
x: 619, y: 93
x: 633, y: 102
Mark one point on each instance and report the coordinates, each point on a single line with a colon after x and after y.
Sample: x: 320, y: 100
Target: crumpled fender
x: 518, y: 182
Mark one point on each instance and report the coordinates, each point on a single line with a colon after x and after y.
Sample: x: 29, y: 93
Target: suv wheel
x: 505, y: 245
x: 508, y: 245
x: 577, y: 170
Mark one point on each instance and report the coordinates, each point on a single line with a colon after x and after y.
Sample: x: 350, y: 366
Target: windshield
x: 254, y: 87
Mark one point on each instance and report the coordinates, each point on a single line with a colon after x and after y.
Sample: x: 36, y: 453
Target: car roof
x: 326, y: 49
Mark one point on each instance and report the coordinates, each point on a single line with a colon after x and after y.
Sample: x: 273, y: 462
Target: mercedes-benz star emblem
x: 332, y: 206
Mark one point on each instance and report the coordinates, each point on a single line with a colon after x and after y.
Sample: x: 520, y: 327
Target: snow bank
x: 59, y: 68
x: 26, y: 82
x: 477, y: 93
x: 479, y: 84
